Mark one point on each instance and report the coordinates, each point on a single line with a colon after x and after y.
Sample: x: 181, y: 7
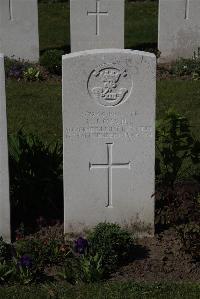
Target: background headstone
x: 179, y: 29
x: 4, y: 180
x: 19, y: 29
x: 108, y: 131
x: 96, y: 24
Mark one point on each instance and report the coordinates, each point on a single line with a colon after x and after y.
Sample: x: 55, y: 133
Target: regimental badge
x: 109, y: 84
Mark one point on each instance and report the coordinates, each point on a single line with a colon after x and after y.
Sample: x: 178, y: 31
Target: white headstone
x: 19, y: 29
x: 96, y: 24
x: 179, y: 29
x: 4, y: 180
x: 108, y: 131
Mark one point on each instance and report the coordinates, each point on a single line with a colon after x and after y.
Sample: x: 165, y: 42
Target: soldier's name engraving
x: 101, y: 124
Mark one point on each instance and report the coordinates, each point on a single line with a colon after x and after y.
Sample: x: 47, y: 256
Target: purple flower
x: 81, y: 245
x: 16, y: 71
x: 26, y: 261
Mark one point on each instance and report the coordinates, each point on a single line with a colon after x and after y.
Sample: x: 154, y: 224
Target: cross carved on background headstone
x: 97, y: 13
x: 187, y: 9
x: 10, y: 10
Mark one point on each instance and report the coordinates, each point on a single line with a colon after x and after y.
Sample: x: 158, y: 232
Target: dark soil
x: 160, y: 258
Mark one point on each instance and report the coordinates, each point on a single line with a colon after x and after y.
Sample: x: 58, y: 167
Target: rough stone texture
x: 19, y: 29
x: 179, y: 29
x: 4, y: 181
x: 96, y: 24
x: 108, y: 131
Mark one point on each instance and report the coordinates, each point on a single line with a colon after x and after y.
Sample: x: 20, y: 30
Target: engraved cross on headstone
x: 110, y: 166
x: 10, y: 10
x: 97, y: 13
x: 187, y: 9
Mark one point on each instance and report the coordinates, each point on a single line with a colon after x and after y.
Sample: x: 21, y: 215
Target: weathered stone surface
x: 108, y: 131
x: 96, y: 24
x: 19, y: 29
x: 4, y: 181
x: 179, y: 29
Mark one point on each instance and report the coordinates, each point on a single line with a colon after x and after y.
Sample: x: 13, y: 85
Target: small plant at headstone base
x: 84, y: 265
x: 55, y: 252
x: 45, y: 252
x: 25, y: 269
x: 32, y: 248
x: 15, y: 68
x: 5, y: 250
x: 6, y: 268
x: 188, y: 66
x: 91, y: 268
x: 112, y: 243
x: 35, y: 179
x: 32, y: 74
x: 175, y: 145
x: 70, y: 272
x: 6, y: 272
x: 52, y: 61
x: 90, y: 263
x: 84, y: 268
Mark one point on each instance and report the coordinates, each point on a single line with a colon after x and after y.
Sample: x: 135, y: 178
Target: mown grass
x: 140, y: 25
x: 36, y: 107
x: 54, y: 26
x: 107, y: 290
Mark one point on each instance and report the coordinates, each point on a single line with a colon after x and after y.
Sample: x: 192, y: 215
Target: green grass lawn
x: 36, y: 107
x: 102, y: 291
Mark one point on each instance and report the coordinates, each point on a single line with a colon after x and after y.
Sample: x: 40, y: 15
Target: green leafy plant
x: 52, y: 61
x: 32, y: 74
x: 174, y: 144
x: 5, y: 250
x: 112, y: 243
x: 70, y: 271
x: 6, y: 272
x: 25, y: 269
x: 32, y: 248
x: 91, y: 268
x: 35, y: 179
x: 85, y: 268
x: 175, y: 147
x: 44, y: 252
x: 188, y: 67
